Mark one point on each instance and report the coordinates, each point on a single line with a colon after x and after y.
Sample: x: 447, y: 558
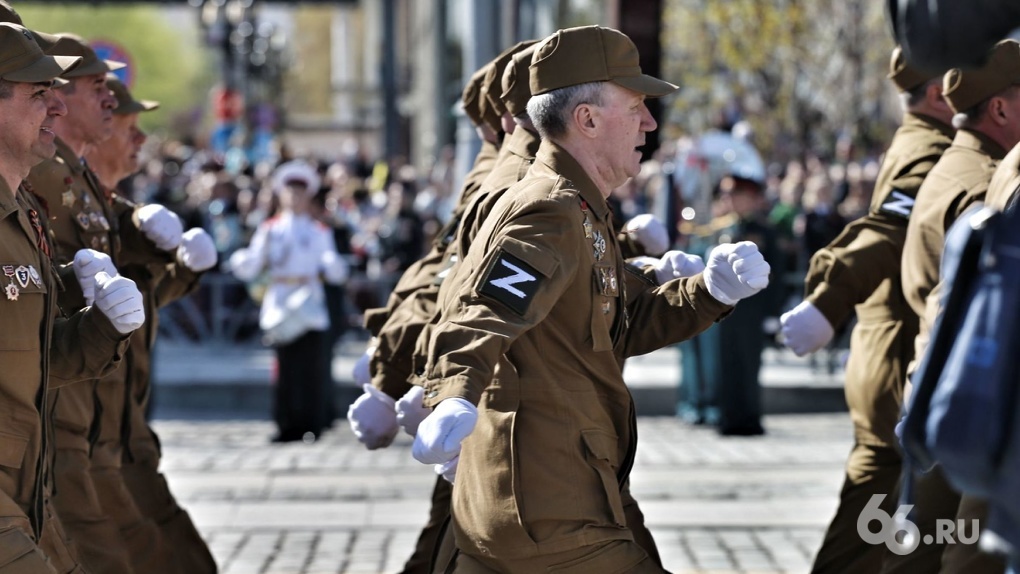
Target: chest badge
x: 599, y: 243
x: 67, y: 199
x: 33, y: 273
x: 83, y: 220
x: 11, y: 291
x: 21, y: 274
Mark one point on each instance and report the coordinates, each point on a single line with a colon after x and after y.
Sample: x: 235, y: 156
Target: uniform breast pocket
x: 22, y: 305
x: 605, y: 293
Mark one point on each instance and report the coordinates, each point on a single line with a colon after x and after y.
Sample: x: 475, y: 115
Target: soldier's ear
x: 584, y: 119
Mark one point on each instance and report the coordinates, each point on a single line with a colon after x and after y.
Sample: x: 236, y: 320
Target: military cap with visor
x: 492, y: 85
x: 516, y: 82
x: 905, y: 76
x: 91, y: 64
x: 22, y: 60
x: 591, y: 54
x: 964, y: 89
x: 126, y: 103
x: 470, y: 98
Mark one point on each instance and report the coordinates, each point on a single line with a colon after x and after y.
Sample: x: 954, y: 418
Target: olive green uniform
x: 41, y: 350
x: 861, y: 269
x: 959, y: 179
x: 544, y: 369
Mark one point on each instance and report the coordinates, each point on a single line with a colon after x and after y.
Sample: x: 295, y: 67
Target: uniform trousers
x: 421, y: 559
x: 149, y: 489
x: 935, y: 499
x: 146, y: 548
x: 870, y: 470
x: 297, y: 408
x: 93, y: 532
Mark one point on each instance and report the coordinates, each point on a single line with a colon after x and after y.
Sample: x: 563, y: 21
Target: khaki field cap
x: 126, y: 103
x: 7, y: 13
x: 22, y: 60
x: 964, y: 89
x: 492, y: 86
x: 905, y: 76
x: 591, y: 54
x: 72, y: 45
x: 516, y: 82
x: 470, y: 98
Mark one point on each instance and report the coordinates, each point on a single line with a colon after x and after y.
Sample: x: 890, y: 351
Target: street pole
x: 391, y: 144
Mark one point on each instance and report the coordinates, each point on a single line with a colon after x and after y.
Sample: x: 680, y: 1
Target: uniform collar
x: 8, y: 202
x: 978, y: 142
x: 926, y: 121
x: 523, y: 143
x: 67, y: 154
x: 564, y: 165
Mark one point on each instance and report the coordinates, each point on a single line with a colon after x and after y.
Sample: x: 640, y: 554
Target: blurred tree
x: 310, y: 76
x: 802, y: 72
x: 165, y: 48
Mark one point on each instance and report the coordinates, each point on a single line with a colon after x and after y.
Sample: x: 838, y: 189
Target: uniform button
x: 433, y: 394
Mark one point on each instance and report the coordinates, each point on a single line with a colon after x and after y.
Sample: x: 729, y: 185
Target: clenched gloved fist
x: 120, y: 300
x: 676, y: 264
x: 736, y: 271
x: 440, y: 434
x: 805, y: 329
x: 649, y: 232
x: 362, y: 371
x: 410, y: 411
x: 87, y: 263
x: 373, y: 418
x: 448, y: 470
x: 197, y: 250
x: 160, y: 225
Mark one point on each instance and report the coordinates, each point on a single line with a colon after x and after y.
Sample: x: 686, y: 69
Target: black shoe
x: 742, y: 430
x: 288, y: 436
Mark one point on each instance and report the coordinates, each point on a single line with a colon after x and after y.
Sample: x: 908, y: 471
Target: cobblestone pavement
x: 714, y: 504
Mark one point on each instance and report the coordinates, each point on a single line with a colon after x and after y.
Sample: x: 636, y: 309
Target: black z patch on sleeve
x: 512, y: 282
x: 898, y: 204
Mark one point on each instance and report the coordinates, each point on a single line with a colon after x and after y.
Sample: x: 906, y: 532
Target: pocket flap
x: 14, y: 544
x: 601, y: 445
x: 12, y: 450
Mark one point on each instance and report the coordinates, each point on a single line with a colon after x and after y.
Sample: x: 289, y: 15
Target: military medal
x: 83, y: 220
x: 104, y: 223
x: 12, y: 291
x: 34, y: 275
x: 95, y: 243
x: 600, y: 245
x: 21, y: 274
x: 8, y: 270
x: 86, y: 199
x: 605, y: 306
x: 67, y: 199
x: 587, y: 222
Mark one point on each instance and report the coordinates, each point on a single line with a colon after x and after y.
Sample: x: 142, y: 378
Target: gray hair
x: 550, y: 111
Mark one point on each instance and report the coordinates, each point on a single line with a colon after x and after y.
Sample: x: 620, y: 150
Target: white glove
x: 160, y: 225
x: 197, y: 250
x: 362, y: 372
x: 373, y: 418
x: 410, y: 411
x: 88, y: 262
x: 120, y: 300
x: 334, y: 268
x: 649, y: 232
x: 805, y: 329
x: 448, y: 470
x: 736, y: 271
x: 676, y: 264
x: 440, y: 434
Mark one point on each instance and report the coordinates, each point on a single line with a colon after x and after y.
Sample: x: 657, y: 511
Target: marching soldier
x: 534, y: 333
x: 41, y: 351
x: 861, y: 269
x: 157, y: 534
x: 987, y: 106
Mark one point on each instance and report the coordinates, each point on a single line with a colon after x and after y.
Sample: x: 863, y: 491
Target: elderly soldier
x: 861, y: 268
x: 534, y: 335
x: 987, y: 103
x: 38, y: 350
x: 157, y: 533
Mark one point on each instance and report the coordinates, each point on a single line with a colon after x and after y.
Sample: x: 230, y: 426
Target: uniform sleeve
x: 848, y: 270
x: 420, y: 274
x: 391, y: 364
x: 247, y: 263
x: 177, y: 283
x: 476, y: 328
x: 84, y: 346
x: 669, y: 313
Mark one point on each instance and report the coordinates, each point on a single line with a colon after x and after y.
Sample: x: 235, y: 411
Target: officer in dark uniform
x: 861, y: 269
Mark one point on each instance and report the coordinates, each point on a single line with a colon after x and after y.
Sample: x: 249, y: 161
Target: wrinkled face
x: 26, y: 122
x: 124, y: 145
x: 90, y: 106
x: 622, y: 122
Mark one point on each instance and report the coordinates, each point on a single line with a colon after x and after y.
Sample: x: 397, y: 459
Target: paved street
x: 749, y: 505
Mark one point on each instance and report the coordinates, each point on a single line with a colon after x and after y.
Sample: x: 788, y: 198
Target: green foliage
x: 170, y: 63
